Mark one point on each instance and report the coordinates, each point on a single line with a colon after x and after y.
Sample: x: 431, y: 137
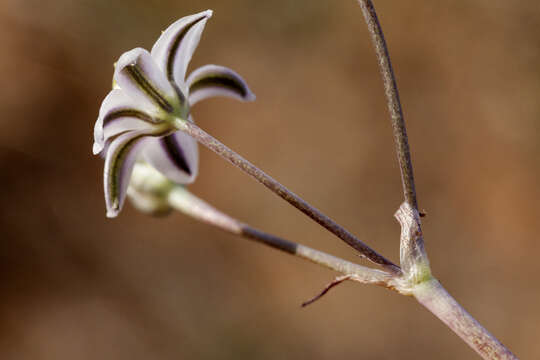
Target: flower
x: 150, y: 93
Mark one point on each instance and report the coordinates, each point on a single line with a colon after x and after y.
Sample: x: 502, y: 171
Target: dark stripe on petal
x: 174, y: 48
x: 175, y: 153
x: 110, y: 140
x: 219, y: 81
x: 129, y: 113
x: 147, y: 87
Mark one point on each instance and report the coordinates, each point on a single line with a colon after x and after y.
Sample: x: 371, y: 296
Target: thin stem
x: 222, y: 150
x: 189, y: 204
x: 327, y: 288
x: 436, y: 299
x: 394, y: 105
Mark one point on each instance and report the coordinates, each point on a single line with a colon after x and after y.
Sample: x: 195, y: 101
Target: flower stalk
x: 184, y: 201
x: 222, y: 150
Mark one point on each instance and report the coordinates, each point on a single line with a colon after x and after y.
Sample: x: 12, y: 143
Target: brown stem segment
x: 394, y: 105
x: 436, y: 299
x: 222, y: 150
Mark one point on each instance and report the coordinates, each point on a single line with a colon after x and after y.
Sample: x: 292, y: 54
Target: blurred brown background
x: 75, y: 285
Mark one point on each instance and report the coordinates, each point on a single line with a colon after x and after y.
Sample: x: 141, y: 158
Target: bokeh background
x: 75, y: 285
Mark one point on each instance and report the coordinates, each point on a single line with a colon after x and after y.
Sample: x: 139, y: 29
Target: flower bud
x: 149, y: 190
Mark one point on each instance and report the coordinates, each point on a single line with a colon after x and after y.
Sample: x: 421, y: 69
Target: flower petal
x: 121, y: 156
x: 213, y: 80
x: 176, y: 156
x: 174, y: 48
x: 139, y: 76
x: 119, y: 113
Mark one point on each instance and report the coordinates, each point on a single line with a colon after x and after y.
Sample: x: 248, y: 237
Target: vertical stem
x: 428, y: 291
x: 222, y: 150
x: 394, y: 105
x: 436, y: 299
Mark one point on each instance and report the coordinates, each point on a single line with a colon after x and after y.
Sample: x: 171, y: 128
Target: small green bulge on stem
x: 149, y: 190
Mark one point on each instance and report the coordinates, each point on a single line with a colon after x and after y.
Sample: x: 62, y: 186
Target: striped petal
x: 119, y: 113
x: 176, y: 156
x: 139, y: 76
x: 174, y: 48
x: 213, y: 80
x: 121, y: 156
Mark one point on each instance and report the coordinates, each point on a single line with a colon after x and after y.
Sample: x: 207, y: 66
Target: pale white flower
x: 151, y: 92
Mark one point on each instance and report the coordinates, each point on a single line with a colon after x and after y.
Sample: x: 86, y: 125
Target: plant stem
x: 189, y: 204
x: 436, y: 299
x: 394, y: 105
x: 222, y: 150
x: 413, y: 258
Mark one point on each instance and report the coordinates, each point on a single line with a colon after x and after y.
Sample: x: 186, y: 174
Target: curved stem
x: 222, y: 150
x: 436, y: 299
x: 394, y: 105
x: 189, y: 204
